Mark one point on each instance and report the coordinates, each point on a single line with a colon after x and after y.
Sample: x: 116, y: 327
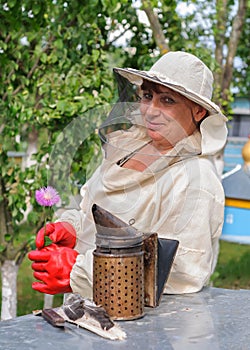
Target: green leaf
x: 43, y: 58
x: 11, y: 3
x: 7, y: 237
x: 95, y: 55
x: 47, y: 241
x: 2, y: 248
x: 62, y: 105
x: 32, y: 242
x: 36, y: 8
x: 33, y: 216
x: 59, y: 44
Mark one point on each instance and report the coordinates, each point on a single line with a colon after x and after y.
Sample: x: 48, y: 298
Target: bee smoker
x: 130, y: 268
x: 118, y: 271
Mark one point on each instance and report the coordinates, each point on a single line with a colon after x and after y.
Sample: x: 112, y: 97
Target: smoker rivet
x: 131, y: 222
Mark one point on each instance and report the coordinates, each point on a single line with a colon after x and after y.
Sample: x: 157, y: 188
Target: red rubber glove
x: 52, y: 266
x: 61, y: 233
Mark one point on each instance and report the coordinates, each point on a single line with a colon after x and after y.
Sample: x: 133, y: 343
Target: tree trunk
x: 236, y: 32
x: 48, y: 301
x: 156, y: 27
x: 219, y: 37
x: 223, y: 76
x: 9, y: 271
x: 32, y: 147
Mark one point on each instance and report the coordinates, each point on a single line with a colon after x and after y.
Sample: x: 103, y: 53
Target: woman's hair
x: 149, y: 85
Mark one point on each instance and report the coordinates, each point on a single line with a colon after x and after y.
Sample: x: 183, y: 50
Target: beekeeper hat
x: 181, y: 72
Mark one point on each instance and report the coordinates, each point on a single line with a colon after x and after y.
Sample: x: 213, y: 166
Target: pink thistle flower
x: 47, y: 196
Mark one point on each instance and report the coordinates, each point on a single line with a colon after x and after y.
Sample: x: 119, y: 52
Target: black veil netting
x: 123, y: 111
x: 124, y: 131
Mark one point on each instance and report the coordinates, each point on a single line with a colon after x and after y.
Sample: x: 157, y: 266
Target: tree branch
x: 3, y: 223
x: 233, y: 44
x: 155, y: 26
x: 219, y: 36
x: 16, y: 253
x: 116, y: 38
x: 7, y: 39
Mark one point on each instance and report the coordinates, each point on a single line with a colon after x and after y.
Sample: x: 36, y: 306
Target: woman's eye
x: 137, y: 98
x: 168, y: 100
x: 147, y: 96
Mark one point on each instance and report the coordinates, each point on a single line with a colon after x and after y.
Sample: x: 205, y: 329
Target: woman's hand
x: 61, y: 233
x: 52, y: 266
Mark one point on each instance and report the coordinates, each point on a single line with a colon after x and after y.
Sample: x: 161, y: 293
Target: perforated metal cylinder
x: 118, y: 284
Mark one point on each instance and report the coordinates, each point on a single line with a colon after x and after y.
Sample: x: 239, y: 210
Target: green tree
x: 54, y: 68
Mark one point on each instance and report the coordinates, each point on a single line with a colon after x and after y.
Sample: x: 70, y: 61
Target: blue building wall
x: 238, y: 133
x: 233, y: 152
x: 236, y: 226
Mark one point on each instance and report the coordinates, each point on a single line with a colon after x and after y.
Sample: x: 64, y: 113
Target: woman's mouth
x: 153, y: 126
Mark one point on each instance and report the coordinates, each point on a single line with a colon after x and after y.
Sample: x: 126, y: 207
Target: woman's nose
x: 153, y: 108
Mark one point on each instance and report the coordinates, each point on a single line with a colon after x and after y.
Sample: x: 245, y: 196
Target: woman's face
x: 168, y: 116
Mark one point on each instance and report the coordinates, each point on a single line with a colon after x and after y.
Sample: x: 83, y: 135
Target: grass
x: 232, y: 272
x: 27, y: 298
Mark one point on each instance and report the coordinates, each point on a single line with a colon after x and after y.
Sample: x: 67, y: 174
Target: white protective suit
x: 178, y: 197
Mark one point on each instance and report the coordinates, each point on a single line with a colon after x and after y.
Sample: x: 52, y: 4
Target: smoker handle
x: 167, y: 249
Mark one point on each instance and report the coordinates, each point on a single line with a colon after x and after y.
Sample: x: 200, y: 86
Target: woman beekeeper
x: 157, y: 172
